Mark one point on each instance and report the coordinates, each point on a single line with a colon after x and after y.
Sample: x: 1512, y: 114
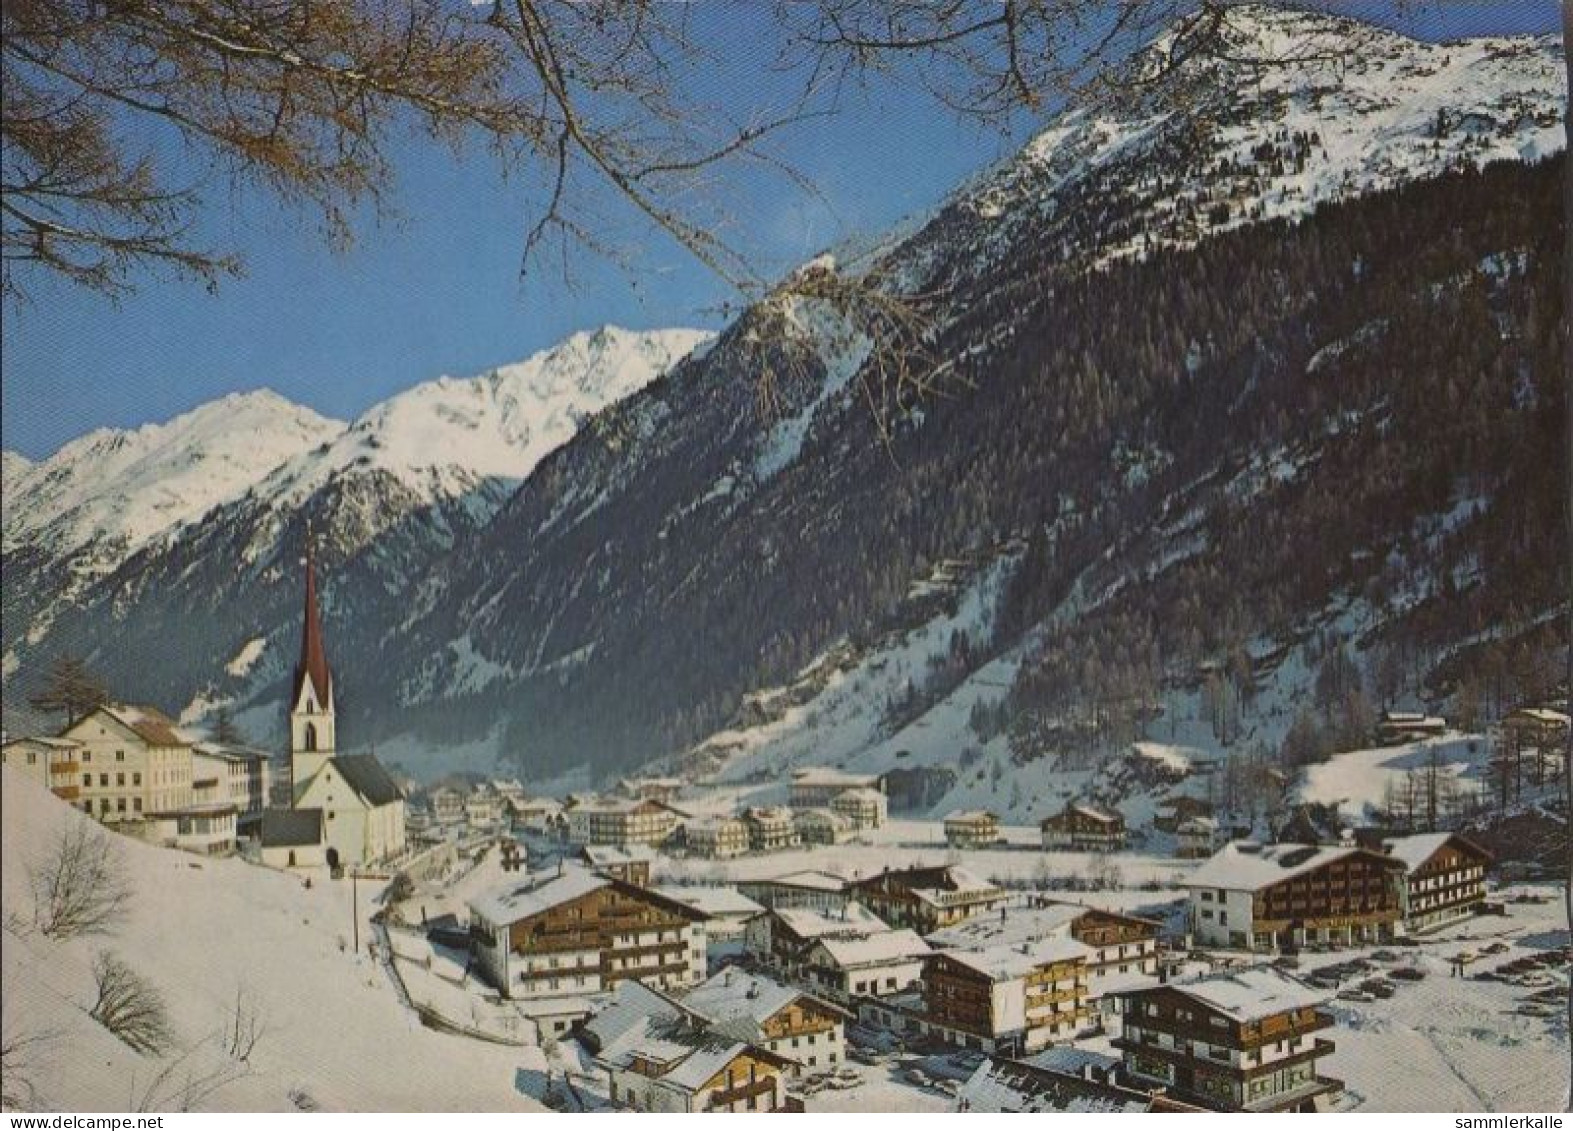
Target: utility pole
x: 355, y: 906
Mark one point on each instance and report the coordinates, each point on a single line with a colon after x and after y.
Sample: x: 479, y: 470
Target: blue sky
x: 437, y: 289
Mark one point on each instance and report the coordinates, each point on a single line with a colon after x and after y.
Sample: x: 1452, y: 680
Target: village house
x: 821, y: 826
x: 817, y: 787
x: 243, y: 771
x: 1243, y: 1041
x: 509, y: 789
x: 1121, y: 951
x: 972, y: 828
x: 631, y: 864
x: 134, y: 762
x: 1444, y: 881
x: 620, y: 822
x: 770, y: 829
x: 447, y: 805
x: 1196, y: 838
x: 927, y: 898
x: 664, y: 790
x: 805, y: 1030
x: 484, y: 808
x: 865, y: 808
x: 1084, y: 827
x: 1286, y: 896
x: 1170, y: 813
x: 54, y: 763
x: 846, y: 965
x: 782, y: 937
x: 537, y: 814
x: 716, y: 838
x: 659, y: 1056
x: 727, y: 910
x: 1396, y: 727
x: 820, y: 891
x: 571, y: 931
x: 1011, y: 998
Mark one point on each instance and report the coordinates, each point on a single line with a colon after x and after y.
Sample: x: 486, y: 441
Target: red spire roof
x: 313, y: 658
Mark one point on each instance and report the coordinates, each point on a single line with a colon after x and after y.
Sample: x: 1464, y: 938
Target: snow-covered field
x: 333, y: 1031
x: 1359, y: 779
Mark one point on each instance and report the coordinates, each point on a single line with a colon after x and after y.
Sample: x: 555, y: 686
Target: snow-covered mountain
x: 111, y: 514
x: 119, y: 489
x: 443, y: 437
x: 1291, y: 110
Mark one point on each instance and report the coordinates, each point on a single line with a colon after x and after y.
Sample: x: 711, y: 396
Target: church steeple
x: 313, y: 663
x: 311, y: 716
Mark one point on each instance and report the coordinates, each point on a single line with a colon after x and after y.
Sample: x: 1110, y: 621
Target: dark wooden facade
x: 1205, y: 1056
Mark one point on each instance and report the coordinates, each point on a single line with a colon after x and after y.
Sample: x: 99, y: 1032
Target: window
x: 120, y: 779
x: 32, y: 759
x: 87, y: 779
x: 136, y: 778
x: 120, y: 755
x: 103, y: 780
x: 87, y: 755
x: 136, y: 803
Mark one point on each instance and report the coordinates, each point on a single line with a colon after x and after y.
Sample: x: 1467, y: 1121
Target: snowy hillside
x: 209, y: 934
x: 1301, y: 109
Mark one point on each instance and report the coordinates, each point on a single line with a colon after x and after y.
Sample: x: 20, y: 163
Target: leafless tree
x: 129, y: 1005
x: 23, y: 1054
x: 79, y: 886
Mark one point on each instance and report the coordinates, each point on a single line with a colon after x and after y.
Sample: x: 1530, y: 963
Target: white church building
x: 361, y: 808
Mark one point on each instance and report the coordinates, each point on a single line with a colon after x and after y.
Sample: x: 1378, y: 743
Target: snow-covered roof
x: 1016, y: 1086
x: 732, y: 994
x: 1006, y: 961
x: 1251, y: 993
x: 43, y: 740
x: 1072, y: 1060
x: 1543, y: 715
x: 867, y: 950
x: 149, y: 724
x: 971, y: 817
x: 1417, y: 849
x: 1018, y: 925
x: 609, y: 855
x: 814, y: 880
x: 860, y: 793
x: 719, y: 901
x: 632, y: 1004
x: 1243, y: 866
x: 853, y: 919
x: 829, y: 776
x: 1198, y: 825
x: 535, y: 893
x: 1086, y: 809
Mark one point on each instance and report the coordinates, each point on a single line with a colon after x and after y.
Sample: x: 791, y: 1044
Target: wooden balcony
x: 740, y: 1092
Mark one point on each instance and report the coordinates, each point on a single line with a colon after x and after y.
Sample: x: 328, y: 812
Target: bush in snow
x: 129, y: 1006
x: 80, y: 886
